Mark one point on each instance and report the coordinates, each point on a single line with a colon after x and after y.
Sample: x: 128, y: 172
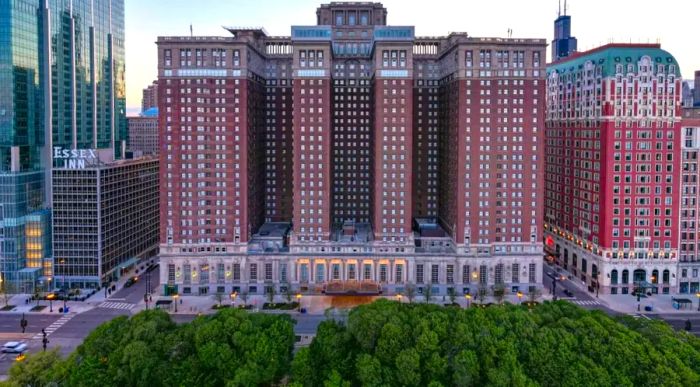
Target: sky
x: 594, y: 22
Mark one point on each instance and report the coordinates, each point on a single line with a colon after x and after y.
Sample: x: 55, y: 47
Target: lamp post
x: 468, y: 297
x: 51, y: 296
x: 554, y: 286
x: 175, y: 297
x: 520, y: 297
x: 298, y: 296
x: 398, y: 297
x: 233, y: 296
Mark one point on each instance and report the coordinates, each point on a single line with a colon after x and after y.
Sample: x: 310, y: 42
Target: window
x: 283, y: 272
x: 434, y: 272
x: 268, y: 271
x: 304, y: 272
x: 483, y: 275
x: 187, y: 274
x: 236, y: 271
x: 382, y: 273
x: 419, y: 274
x: 399, y: 273
x: 450, y: 274
x: 171, y: 273
x: 515, y: 269
x: 220, y: 273
x: 253, y: 271
x: 320, y: 271
x: 465, y: 274
x: 531, y: 273
x: 367, y: 272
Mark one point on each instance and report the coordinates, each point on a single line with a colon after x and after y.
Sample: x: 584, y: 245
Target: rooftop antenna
x: 559, y: 13
x: 564, y: 7
x: 191, y: 33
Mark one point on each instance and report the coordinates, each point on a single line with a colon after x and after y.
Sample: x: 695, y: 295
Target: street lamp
x: 233, y: 296
x: 520, y: 296
x: 468, y: 297
x: 175, y: 297
x: 554, y: 286
x: 298, y: 296
x: 51, y: 296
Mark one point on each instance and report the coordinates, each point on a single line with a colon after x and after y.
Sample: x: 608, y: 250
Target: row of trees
x: 232, y: 347
x: 383, y: 344
x: 555, y: 344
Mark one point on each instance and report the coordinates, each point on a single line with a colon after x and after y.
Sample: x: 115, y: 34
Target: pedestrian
x: 688, y: 325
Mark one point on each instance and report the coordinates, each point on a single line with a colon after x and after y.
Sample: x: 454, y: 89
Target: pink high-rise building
x: 613, y: 181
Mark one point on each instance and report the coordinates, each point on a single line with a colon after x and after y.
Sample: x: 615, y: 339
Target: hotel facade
x: 350, y: 157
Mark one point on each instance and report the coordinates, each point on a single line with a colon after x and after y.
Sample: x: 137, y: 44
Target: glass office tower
x: 62, y: 78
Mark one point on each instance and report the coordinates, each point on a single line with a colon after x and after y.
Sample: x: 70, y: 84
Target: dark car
x: 131, y: 281
x: 568, y: 293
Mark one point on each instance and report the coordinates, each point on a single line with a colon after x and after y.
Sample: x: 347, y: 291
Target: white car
x: 14, y: 347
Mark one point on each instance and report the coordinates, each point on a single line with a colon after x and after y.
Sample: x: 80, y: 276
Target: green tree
x: 428, y: 292
x: 40, y: 369
x: 410, y: 292
x: 270, y: 294
x: 219, y: 298
x: 499, y: 293
x: 481, y: 294
x: 288, y: 294
x: 452, y: 294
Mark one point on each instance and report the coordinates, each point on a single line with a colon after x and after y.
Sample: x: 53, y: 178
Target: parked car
x: 568, y: 293
x: 131, y: 281
x: 14, y: 347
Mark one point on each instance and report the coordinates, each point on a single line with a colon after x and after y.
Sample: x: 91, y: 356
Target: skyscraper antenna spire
x: 559, y: 13
x: 564, y: 7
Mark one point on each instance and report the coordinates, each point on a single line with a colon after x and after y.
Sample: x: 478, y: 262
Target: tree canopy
x: 555, y: 344
x: 383, y: 344
x: 230, y: 348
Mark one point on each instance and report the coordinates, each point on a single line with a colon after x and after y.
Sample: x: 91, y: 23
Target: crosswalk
x: 53, y: 327
x: 586, y: 302
x: 116, y: 305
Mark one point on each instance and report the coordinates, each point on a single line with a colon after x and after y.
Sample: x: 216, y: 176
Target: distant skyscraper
x: 149, y: 98
x: 62, y: 76
x: 143, y: 133
x: 563, y: 44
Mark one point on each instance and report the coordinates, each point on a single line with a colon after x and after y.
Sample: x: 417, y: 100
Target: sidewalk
x: 627, y: 303
x: 314, y: 304
x: 19, y: 301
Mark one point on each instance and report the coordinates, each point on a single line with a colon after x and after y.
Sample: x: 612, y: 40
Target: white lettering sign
x: 74, y: 158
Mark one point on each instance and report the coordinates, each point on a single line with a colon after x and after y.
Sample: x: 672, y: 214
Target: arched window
x: 625, y: 276
x: 613, y: 277
x: 655, y: 277
x: 666, y: 278
x: 639, y: 275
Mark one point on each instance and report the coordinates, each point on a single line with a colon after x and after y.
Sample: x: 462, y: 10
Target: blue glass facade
x: 62, y: 84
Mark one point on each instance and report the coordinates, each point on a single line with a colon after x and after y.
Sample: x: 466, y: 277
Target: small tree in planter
x: 410, y: 292
x: 428, y: 292
x: 288, y: 294
x: 219, y: 297
x: 499, y: 292
x: 452, y: 294
x: 271, y: 294
x: 481, y: 294
x: 244, y: 297
x: 534, y: 294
